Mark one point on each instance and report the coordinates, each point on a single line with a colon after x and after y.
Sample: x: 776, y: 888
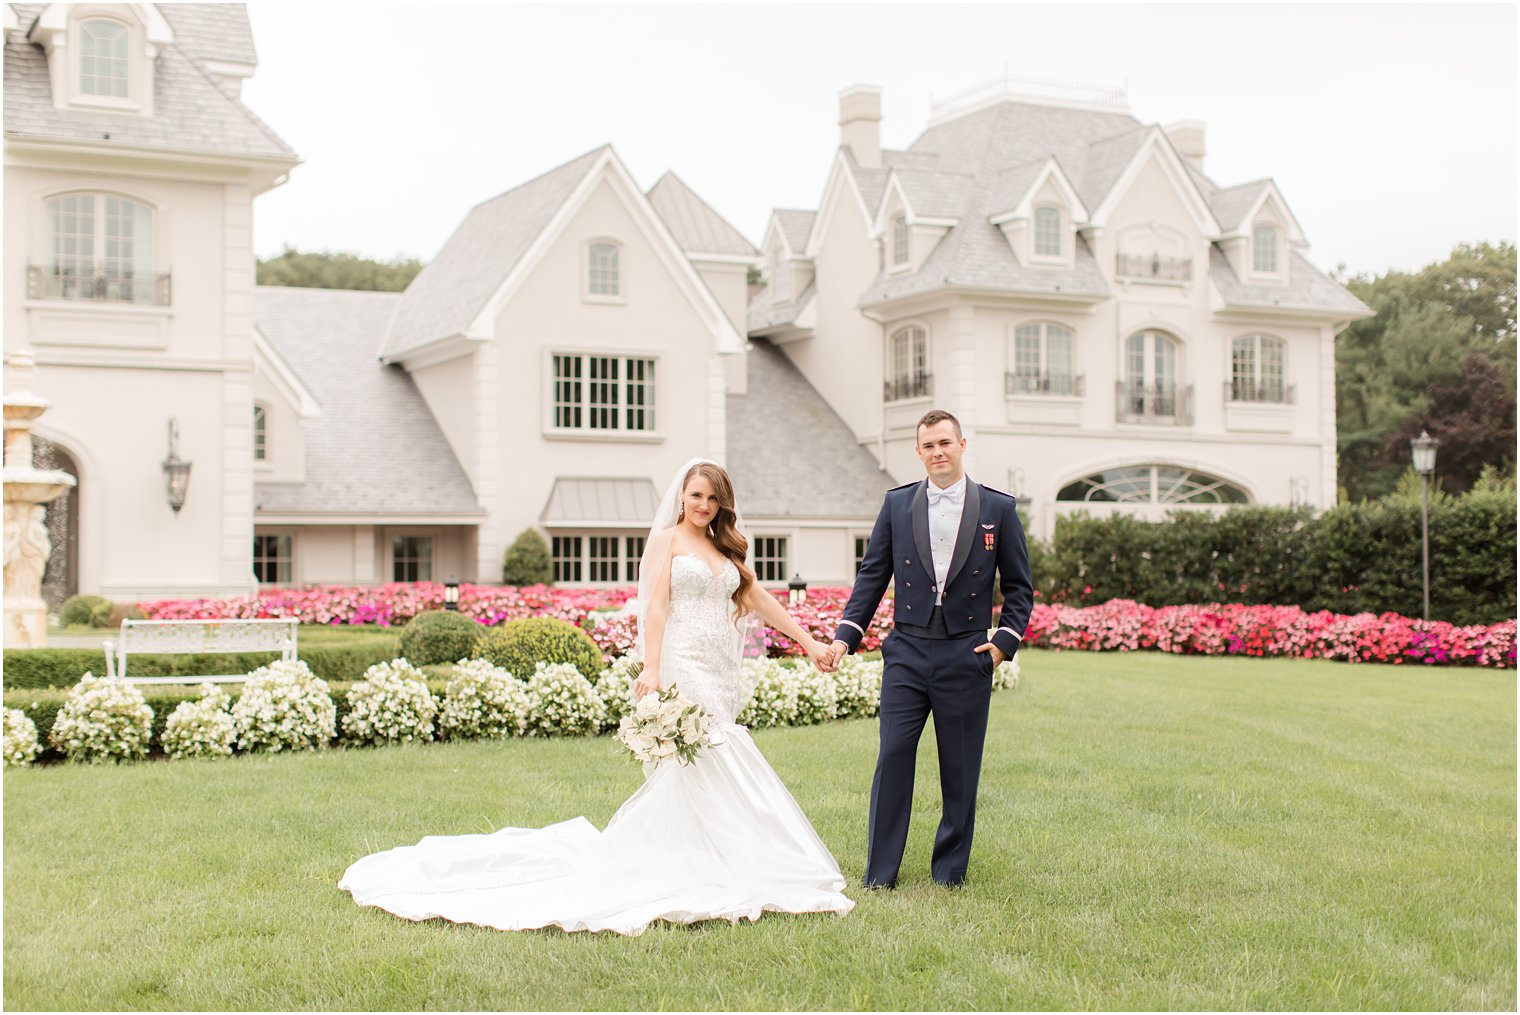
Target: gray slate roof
x: 1308, y: 288
x: 762, y: 316
x: 796, y: 224
x: 692, y: 221
x: 192, y: 110
x: 456, y: 285
x: 574, y: 500
x: 841, y: 479
x: 1230, y: 204
x: 375, y: 448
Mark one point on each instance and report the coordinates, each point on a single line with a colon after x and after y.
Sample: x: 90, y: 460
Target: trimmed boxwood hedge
x: 62, y: 667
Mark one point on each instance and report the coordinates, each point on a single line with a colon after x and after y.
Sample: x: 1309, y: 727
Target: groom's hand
x: 838, y: 651
x: 998, y: 658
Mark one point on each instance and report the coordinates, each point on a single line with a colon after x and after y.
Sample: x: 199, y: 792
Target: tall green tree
x: 1421, y: 362
x: 330, y: 270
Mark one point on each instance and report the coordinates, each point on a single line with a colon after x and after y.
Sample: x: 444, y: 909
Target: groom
x: 940, y: 540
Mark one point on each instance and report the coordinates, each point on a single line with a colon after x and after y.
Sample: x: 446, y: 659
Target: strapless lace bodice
x: 700, y: 654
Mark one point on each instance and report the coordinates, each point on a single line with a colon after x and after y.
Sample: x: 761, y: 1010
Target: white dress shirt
x: 945, y: 508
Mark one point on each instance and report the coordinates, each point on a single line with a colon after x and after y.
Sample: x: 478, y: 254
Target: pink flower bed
x: 1116, y: 626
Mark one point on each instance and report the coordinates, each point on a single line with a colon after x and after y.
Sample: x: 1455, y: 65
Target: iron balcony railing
x: 917, y: 386
x: 1271, y: 394
x: 1154, y: 266
x: 1044, y: 384
x: 84, y: 283
x: 1165, y: 404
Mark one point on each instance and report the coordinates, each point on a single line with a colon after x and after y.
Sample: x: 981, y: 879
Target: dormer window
x: 1047, y: 232
x: 603, y: 270
x: 900, y: 240
x: 1264, y: 249
x: 103, y: 58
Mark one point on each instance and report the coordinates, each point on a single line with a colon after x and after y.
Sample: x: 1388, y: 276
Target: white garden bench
x: 183, y: 637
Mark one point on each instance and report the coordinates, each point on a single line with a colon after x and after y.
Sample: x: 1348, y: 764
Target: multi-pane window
x: 1264, y: 249
x: 565, y: 551
x: 100, y: 246
x: 103, y: 58
x: 260, y: 433
x: 596, y: 558
x: 1153, y: 484
x: 606, y: 558
x: 907, y: 364
x: 1256, y: 369
x: 633, y: 552
x: 604, y: 393
x: 602, y: 274
x: 1042, y: 360
x: 1047, y: 232
x: 1150, y: 360
x: 271, y: 559
x: 770, y: 558
x: 412, y: 558
x: 900, y: 240
x: 862, y: 544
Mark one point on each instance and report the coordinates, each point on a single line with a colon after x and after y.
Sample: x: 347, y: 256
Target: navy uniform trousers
x: 927, y: 672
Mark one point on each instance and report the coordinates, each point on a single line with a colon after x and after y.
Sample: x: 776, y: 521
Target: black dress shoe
x: 951, y: 885
x: 876, y: 886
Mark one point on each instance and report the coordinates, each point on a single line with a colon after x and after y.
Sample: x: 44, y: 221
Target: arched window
x: 1042, y: 361
x: 1047, y: 232
x: 1256, y: 369
x: 1153, y: 484
x: 1149, y: 388
x: 100, y: 247
x: 260, y: 433
x: 907, y: 365
x: 900, y: 240
x: 103, y: 58
x: 1264, y: 249
x: 602, y: 276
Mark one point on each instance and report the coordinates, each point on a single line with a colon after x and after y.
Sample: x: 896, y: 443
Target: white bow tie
x: 949, y: 496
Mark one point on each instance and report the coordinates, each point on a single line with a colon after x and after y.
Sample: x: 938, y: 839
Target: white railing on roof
x: 1042, y: 90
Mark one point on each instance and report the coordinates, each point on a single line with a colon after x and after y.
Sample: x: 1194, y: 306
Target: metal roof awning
x: 600, y: 503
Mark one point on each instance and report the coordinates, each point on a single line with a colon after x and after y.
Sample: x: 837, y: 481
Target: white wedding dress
x: 719, y: 839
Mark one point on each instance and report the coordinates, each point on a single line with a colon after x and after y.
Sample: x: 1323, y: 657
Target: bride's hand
x: 647, y: 683
x: 822, y: 656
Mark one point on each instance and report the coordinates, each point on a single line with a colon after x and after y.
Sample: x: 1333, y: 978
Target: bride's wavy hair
x: 725, y: 533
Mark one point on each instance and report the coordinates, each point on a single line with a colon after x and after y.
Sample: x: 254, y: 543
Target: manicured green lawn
x: 1154, y: 832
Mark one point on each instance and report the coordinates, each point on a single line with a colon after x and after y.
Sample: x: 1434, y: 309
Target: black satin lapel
x: 921, y: 525
x: 971, y: 513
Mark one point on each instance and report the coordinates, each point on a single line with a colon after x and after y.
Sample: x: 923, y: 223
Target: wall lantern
x: 176, y: 470
x: 796, y: 591
x: 451, y: 595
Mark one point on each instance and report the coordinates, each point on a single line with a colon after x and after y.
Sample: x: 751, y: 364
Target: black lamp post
x: 1424, y: 449
x: 796, y: 591
x: 176, y: 470
x: 451, y: 595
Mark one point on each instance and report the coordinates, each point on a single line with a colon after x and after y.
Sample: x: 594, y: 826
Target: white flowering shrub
x: 562, y: 702
x: 390, y: 704
x: 201, y: 728
x: 284, y: 707
x: 103, y: 720
x: 774, y: 702
x: 857, y: 688
x: 614, y: 686
x: 482, y: 700
x: 20, y: 739
x: 816, y: 693
x: 1006, y: 676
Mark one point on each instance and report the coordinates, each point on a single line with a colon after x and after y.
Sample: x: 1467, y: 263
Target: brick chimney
x: 860, y: 124
x: 1187, y: 138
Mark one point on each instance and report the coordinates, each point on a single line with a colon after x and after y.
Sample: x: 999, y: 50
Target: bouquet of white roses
x: 663, y: 726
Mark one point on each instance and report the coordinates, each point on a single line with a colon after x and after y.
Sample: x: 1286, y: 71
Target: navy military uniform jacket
x: 990, y: 542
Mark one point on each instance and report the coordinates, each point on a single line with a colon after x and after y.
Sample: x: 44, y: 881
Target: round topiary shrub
x: 391, y: 705
x: 518, y: 646
x: 203, y: 728
x: 84, y: 611
x: 103, y: 720
x: 284, y: 707
x: 481, y: 700
x: 526, y: 561
x: 123, y: 611
x: 439, y: 636
x: 20, y: 747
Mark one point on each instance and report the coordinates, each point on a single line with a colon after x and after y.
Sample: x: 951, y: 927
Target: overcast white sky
x: 1391, y: 130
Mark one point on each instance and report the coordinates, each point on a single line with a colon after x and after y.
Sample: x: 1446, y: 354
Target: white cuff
x: 854, y: 625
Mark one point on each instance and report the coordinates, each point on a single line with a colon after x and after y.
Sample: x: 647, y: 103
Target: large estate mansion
x: 1116, y: 331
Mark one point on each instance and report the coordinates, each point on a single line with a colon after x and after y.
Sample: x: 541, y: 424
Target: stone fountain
x: 27, y: 490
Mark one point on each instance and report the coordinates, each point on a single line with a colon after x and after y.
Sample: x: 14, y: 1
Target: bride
x: 718, y: 839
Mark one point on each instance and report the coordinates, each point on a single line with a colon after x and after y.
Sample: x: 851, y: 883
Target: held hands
x: 647, y: 683
x: 837, y: 652
x: 998, y: 658
x: 823, y: 657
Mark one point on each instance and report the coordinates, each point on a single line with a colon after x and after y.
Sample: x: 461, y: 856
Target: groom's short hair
x: 937, y: 416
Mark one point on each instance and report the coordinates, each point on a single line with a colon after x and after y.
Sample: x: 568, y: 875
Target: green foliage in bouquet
x: 518, y: 646
x: 439, y: 636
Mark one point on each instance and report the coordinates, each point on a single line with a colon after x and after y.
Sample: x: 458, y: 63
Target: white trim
x: 1176, y: 171
x: 619, y: 298
x: 822, y: 219
x: 435, y: 518
x: 1050, y: 171
x: 306, y: 404
x: 1294, y: 232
